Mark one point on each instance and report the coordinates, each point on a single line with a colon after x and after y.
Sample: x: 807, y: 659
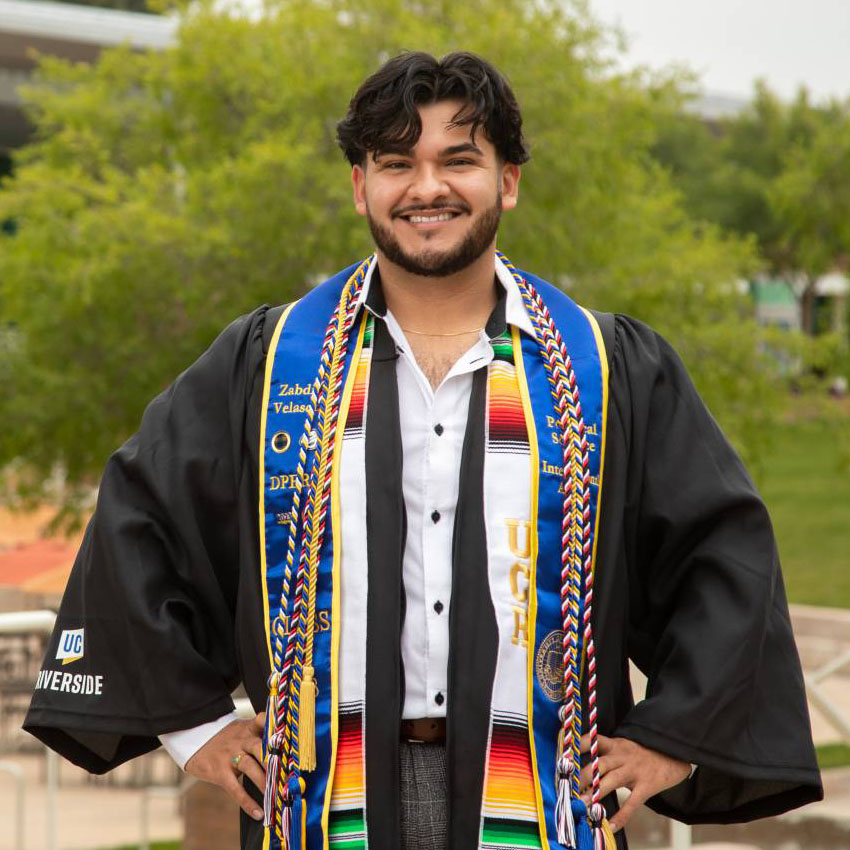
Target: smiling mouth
x: 434, y: 217
x: 425, y: 219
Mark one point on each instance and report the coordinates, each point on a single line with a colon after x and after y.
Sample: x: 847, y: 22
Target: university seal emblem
x: 549, y: 665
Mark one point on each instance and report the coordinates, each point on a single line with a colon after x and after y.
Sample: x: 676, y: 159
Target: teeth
x: 421, y: 219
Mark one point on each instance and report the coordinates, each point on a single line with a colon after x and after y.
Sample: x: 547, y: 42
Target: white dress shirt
x: 433, y: 424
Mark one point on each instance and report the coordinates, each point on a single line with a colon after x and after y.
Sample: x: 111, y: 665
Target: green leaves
x: 811, y: 198
x: 780, y: 172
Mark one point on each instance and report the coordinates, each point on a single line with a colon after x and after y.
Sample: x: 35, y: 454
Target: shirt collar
x: 508, y: 311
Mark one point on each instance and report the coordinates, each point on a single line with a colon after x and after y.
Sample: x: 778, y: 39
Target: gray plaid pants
x: 424, y: 796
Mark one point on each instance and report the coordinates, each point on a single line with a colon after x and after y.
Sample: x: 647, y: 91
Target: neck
x: 440, y: 305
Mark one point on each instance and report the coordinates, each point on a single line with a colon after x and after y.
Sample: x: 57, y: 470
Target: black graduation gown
x: 167, y: 586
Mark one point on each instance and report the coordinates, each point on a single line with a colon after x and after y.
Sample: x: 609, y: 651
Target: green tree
x: 810, y: 200
x: 168, y: 192
x: 778, y: 172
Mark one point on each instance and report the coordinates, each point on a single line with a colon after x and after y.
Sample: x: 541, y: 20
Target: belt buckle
x: 433, y: 729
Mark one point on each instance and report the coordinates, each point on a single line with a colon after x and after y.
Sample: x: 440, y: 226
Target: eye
x: 460, y: 161
x: 395, y: 165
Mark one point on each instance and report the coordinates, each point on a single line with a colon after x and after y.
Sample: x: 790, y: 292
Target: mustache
x: 412, y: 209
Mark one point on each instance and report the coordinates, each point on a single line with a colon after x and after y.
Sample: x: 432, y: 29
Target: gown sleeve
x: 708, y: 617
x: 144, y: 639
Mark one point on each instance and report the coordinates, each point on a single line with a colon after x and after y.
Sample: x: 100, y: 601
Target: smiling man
x: 433, y: 209
x: 425, y: 515
x: 482, y: 185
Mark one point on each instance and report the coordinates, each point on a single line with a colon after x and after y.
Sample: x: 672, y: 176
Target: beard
x: 434, y: 263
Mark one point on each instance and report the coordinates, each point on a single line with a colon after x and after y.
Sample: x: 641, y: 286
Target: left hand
x: 625, y: 764
x: 214, y: 761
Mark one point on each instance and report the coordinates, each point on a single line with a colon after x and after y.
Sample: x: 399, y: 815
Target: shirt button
x: 438, y: 607
x: 435, y: 517
x: 439, y: 429
x: 439, y: 699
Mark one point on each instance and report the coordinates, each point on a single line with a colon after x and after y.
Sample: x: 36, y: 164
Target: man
x: 475, y: 502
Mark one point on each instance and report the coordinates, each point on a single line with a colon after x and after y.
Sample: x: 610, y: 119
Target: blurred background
x: 166, y: 167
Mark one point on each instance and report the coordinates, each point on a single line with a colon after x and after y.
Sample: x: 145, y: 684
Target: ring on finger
x: 236, y: 759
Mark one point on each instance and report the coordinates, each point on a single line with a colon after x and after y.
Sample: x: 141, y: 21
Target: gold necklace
x: 457, y: 333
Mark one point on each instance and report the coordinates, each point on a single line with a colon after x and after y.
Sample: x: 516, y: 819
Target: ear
x: 358, y: 184
x: 510, y: 185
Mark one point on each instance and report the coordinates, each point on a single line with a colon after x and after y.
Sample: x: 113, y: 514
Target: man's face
x: 435, y: 209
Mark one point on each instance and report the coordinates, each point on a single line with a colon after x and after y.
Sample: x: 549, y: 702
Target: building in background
x: 67, y: 30
x: 777, y: 303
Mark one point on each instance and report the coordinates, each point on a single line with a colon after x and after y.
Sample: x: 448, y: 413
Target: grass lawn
x: 155, y: 845
x: 808, y: 495
x: 833, y: 755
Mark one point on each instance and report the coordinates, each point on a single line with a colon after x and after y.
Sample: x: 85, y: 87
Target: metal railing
x: 821, y: 701
x: 35, y: 622
x: 17, y: 772
x: 680, y: 836
x: 27, y: 622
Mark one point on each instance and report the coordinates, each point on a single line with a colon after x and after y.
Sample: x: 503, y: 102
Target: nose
x: 427, y: 184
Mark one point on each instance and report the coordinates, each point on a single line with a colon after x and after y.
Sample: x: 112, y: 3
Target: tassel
x: 598, y: 836
x: 307, y: 721
x: 285, y: 826
x: 271, y: 754
x: 295, y: 833
x: 563, y: 814
x: 609, y: 842
x: 603, y: 838
x: 272, y: 778
x: 584, y: 834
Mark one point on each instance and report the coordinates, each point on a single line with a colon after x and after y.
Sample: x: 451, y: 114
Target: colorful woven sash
x: 544, y: 445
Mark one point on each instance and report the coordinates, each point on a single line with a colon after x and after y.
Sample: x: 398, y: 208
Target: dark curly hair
x: 383, y: 114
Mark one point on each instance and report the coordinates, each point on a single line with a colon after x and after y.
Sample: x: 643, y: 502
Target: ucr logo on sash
x: 70, y: 647
x: 549, y: 665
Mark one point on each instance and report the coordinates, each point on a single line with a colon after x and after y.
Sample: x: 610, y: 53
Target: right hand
x: 213, y: 762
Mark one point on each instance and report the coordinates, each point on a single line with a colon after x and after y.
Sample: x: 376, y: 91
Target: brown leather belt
x: 425, y: 730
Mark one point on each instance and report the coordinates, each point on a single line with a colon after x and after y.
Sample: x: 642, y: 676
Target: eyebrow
x: 466, y: 147
x: 391, y: 150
